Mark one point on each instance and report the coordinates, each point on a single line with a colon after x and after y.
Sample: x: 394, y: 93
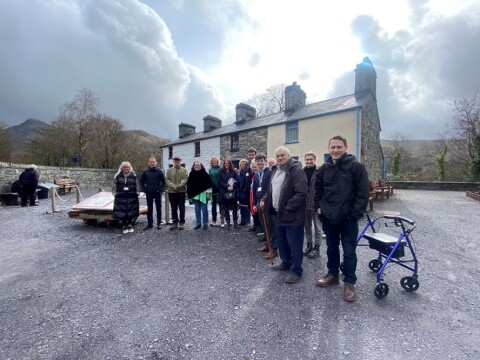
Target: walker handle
x: 399, y: 218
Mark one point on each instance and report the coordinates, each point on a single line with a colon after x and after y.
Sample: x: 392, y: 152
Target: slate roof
x: 321, y: 108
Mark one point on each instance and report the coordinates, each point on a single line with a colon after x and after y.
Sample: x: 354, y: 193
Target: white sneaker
x: 130, y: 228
x: 222, y: 225
x: 124, y: 230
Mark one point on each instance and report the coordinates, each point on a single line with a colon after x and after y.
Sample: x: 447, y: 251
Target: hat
x: 176, y: 157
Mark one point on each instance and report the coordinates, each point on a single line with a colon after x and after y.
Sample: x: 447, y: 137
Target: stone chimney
x: 244, y: 113
x: 294, y: 97
x: 185, y: 130
x: 211, y: 123
x: 366, y: 77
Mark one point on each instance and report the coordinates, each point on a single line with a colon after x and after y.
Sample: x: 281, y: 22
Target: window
x: 234, y: 142
x: 197, y: 148
x: 170, y: 152
x: 291, y: 132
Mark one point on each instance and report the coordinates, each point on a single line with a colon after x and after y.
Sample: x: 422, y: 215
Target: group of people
x: 287, y: 203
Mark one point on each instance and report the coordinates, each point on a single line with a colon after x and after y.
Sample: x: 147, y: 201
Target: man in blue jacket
x: 341, y: 198
x: 152, y: 183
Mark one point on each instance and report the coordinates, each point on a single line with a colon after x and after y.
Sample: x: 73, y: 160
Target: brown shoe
x: 349, y: 292
x: 327, y: 280
x: 291, y: 278
x: 181, y: 225
x: 264, y: 248
x: 271, y: 255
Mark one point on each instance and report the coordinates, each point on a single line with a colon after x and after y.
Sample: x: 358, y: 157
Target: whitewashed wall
x: 208, y: 148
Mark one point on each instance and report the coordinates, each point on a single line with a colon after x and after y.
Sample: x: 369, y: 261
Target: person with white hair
x: 28, y: 183
x: 287, y: 199
x: 126, y: 206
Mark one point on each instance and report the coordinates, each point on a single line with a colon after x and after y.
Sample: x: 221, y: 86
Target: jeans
x: 201, y: 209
x: 290, y: 247
x: 346, y: 233
x: 177, y: 203
x: 151, y: 197
x: 312, y: 217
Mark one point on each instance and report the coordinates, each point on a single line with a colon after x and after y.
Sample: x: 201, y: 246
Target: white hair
x: 284, y: 149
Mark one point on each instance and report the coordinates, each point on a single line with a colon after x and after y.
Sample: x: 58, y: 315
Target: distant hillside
x: 25, y: 132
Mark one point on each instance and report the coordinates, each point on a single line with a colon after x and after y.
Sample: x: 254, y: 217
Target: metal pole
x: 167, y: 209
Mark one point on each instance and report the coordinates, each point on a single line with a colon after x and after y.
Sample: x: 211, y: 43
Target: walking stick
x: 267, y: 235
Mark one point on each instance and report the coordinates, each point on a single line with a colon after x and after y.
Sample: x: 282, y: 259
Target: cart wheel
x: 381, y: 290
x: 341, y: 266
x: 375, y: 265
x: 409, y: 283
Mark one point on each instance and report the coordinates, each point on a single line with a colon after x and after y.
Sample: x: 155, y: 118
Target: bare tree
x: 466, y: 122
x: 5, y: 145
x: 269, y: 102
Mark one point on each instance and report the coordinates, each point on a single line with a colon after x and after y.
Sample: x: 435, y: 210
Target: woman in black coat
x: 126, y: 206
x: 228, y: 183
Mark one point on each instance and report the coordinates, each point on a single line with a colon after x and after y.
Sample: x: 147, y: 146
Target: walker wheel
x: 375, y: 265
x: 381, y: 290
x: 409, y: 283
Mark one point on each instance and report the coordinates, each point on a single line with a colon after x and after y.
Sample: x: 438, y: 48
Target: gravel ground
x: 74, y: 291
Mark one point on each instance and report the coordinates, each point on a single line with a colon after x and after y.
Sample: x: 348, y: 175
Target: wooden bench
x: 9, y: 199
x: 384, y: 184
x: 65, y: 185
x: 376, y: 190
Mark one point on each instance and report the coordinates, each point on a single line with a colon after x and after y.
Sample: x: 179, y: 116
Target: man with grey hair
x: 286, y: 199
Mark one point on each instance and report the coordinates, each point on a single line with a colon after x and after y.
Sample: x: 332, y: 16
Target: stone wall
x: 87, y: 178
x: 371, y: 151
x: 256, y: 138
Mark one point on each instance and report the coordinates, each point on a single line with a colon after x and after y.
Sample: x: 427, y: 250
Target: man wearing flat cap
x: 176, y: 182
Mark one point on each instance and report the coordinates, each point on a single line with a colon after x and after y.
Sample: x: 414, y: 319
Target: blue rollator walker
x: 391, y: 249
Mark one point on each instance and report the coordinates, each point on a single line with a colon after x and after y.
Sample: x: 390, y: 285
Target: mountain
x: 25, y: 132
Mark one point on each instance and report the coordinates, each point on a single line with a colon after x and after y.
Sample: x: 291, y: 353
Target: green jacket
x: 176, y: 180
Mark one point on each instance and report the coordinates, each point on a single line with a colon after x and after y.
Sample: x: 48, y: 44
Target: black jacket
x: 126, y: 204
x: 29, y: 177
x: 293, y: 195
x: 341, y: 189
x: 152, y: 180
x: 223, y: 184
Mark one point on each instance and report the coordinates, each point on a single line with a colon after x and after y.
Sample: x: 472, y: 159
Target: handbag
x: 229, y: 195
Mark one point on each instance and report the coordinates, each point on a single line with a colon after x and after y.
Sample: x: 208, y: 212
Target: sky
x: 156, y: 63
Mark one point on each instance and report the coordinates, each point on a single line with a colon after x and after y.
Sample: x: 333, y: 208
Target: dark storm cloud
x: 121, y: 50
x: 420, y: 71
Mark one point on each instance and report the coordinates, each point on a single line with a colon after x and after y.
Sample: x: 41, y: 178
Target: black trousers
x: 28, y: 193
x: 151, y: 197
x: 177, y: 204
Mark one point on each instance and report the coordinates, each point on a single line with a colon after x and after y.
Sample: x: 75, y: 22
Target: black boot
x: 315, y: 252
x: 308, y: 249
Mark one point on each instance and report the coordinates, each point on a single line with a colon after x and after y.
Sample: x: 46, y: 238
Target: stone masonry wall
x: 87, y: 178
x: 255, y: 138
x: 371, y: 151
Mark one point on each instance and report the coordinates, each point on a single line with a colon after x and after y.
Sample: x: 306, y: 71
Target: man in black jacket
x: 153, y: 184
x: 287, y: 199
x: 341, y: 198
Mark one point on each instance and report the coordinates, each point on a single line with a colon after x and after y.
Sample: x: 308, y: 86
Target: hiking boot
x: 327, y: 280
x: 278, y: 267
x: 148, y: 227
x: 174, y: 226
x: 308, y: 249
x: 315, y: 252
x: 181, y: 226
x: 291, y: 278
x: 349, y: 292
